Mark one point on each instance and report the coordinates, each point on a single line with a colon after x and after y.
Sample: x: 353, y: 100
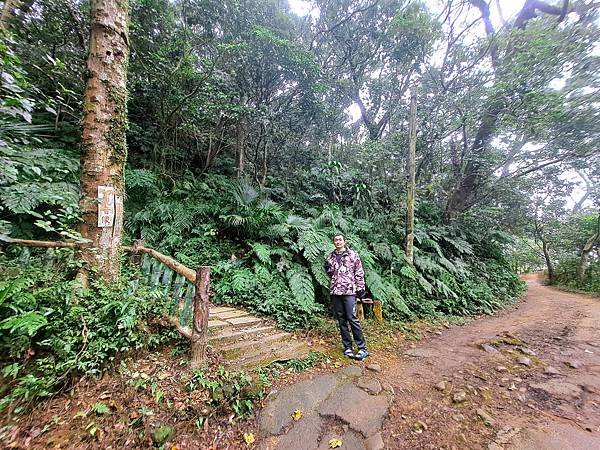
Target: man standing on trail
x: 344, y: 268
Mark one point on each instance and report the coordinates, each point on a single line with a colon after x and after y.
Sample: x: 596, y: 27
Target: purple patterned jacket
x: 347, y: 275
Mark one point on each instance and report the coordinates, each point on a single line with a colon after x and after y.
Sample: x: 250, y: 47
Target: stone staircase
x: 245, y: 340
x: 248, y: 341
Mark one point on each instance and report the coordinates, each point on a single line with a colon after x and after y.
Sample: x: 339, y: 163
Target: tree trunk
x: 200, y: 317
x: 241, y: 147
x: 549, y: 263
x: 585, y: 253
x: 410, y: 186
x: 8, y: 12
x: 104, y: 147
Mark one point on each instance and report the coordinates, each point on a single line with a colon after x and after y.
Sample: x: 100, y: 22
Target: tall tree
x: 522, y: 69
x: 104, y: 148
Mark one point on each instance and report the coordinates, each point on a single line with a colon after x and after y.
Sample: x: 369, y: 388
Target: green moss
x: 232, y: 354
x: 117, y: 134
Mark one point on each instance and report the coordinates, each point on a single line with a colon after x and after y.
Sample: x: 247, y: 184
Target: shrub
x: 52, y: 332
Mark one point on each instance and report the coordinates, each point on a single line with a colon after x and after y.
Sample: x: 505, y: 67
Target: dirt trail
x: 548, y: 400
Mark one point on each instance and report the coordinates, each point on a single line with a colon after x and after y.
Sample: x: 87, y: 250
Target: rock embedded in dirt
x: 375, y: 442
x: 574, y: 364
x: 304, y: 434
x: 458, y: 417
x: 487, y: 419
x: 459, y: 397
x: 494, y: 446
x: 388, y: 388
x: 501, y: 369
x: 551, y: 371
x: 441, y: 386
x: 304, y: 395
x: 524, y: 360
x: 505, y: 435
x: 488, y: 348
x: 364, y: 413
x: 162, y: 434
x: 558, y: 389
x: 350, y: 371
x: 374, y: 367
x: 527, y: 351
x: 420, y: 426
x: 371, y: 385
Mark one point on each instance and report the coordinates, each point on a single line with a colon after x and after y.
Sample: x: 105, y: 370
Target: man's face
x: 339, y: 242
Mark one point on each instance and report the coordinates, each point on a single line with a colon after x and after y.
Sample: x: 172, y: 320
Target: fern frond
x: 443, y: 289
x: 447, y: 264
x: 314, y: 244
x: 316, y: 268
x: 426, y: 264
x: 262, y: 251
x: 383, y: 251
x: 242, y: 280
x: 27, y: 323
x: 460, y: 245
x: 409, y: 272
x: 301, y: 285
x: 426, y: 285
x: 244, y: 193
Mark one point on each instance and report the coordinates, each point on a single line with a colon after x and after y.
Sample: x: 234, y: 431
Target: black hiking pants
x: 345, y: 311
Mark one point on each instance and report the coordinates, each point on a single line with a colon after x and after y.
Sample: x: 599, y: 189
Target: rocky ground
x: 528, y: 378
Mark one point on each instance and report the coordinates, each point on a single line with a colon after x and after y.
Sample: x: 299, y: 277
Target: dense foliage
x: 53, y: 333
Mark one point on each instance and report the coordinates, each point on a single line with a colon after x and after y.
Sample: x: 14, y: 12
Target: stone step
x: 220, y: 309
x: 281, y: 351
x: 259, y: 341
x: 246, y: 321
x: 226, y: 315
x: 227, y: 335
x: 214, y: 324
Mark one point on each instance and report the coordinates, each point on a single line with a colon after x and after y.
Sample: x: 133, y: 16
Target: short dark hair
x: 338, y: 234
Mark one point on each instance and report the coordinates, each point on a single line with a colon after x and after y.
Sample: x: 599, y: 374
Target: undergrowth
x: 52, y: 332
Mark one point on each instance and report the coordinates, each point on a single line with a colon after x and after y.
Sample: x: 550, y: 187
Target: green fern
x: 383, y: 251
x: 301, y: 285
x: 461, y: 246
x: 262, y: 251
x: 409, y: 272
x: 314, y: 244
x: 318, y: 271
x: 426, y: 264
x: 26, y: 323
x: 443, y: 289
x: 242, y: 280
x: 426, y: 285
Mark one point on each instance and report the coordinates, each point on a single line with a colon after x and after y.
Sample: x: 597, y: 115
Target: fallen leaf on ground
x: 335, y: 443
x: 249, y: 438
x: 297, y: 415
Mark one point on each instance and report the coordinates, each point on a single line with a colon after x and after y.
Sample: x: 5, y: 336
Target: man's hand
x: 361, y: 294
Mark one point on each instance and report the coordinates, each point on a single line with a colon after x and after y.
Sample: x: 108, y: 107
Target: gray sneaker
x: 362, y: 354
x: 349, y: 353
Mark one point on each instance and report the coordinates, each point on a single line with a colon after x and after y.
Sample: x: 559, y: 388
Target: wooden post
x: 360, y: 313
x: 410, y: 185
x: 200, y: 317
x: 377, y: 311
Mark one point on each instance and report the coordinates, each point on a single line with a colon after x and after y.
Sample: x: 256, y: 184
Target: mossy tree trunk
x: 104, y: 148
